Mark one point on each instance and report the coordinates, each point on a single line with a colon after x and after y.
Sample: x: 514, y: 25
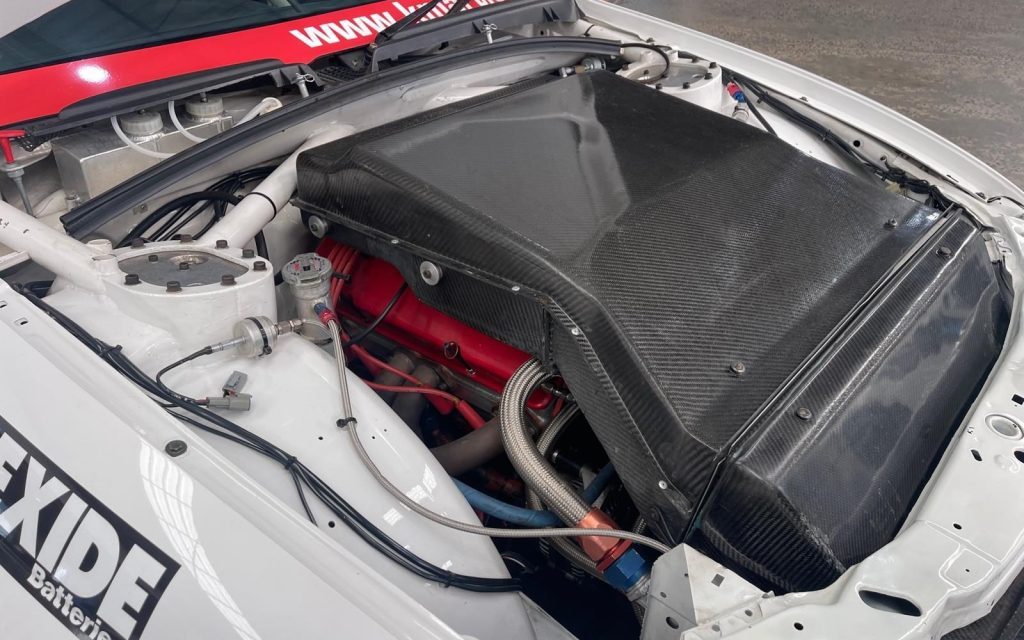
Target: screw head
x: 221, y: 244
x: 183, y: 266
x: 175, y: 448
x: 259, y: 265
x: 138, y: 243
x: 248, y: 254
x: 318, y: 226
x: 153, y: 257
x: 227, y: 280
x: 132, y: 278
x: 185, y: 237
x: 173, y: 286
x: 944, y: 252
x: 738, y: 368
x: 431, y: 273
x: 804, y: 413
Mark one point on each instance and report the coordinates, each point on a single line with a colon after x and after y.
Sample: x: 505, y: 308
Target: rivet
x: 173, y: 286
x: 153, y: 257
x: 227, y: 280
x: 132, y: 278
x: 221, y: 244
x: 804, y: 413
x: 662, y: 485
x: 944, y: 252
x: 515, y: 288
x: 575, y: 331
x: 259, y: 265
x: 175, y: 448
x: 891, y: 223
x: 738, y: 368
x: 248, y: 254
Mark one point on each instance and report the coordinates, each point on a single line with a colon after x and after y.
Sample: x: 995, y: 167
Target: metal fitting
x: 308, y: 276
x: 628, y: 571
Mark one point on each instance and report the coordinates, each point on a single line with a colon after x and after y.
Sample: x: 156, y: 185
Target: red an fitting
x: 602, y: 550
x: 326, y: 315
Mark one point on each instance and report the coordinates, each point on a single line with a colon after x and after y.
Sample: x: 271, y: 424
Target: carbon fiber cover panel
x: 651, y: 245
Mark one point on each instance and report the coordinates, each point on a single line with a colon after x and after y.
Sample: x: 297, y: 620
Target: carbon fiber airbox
x: 770, y: 348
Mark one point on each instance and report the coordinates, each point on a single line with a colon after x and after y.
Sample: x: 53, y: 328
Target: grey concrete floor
x: 956, y: 67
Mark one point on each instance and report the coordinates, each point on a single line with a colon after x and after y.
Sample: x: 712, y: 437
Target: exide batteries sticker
x: 86, y: 566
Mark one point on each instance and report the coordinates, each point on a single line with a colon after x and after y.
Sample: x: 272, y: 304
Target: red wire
x: 343, y: 259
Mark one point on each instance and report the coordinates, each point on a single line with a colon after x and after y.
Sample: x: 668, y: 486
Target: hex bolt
x: 175, y: 448
x: 222, y: 244
x: 713, y: 65
x: 891, y: 223
x: 686, y: 85
x: 185, y: 237
x: 173, y: 286
x: 183, y: 266
x: 804, y: 413
x: 227, y: 280
x: 708, y: 75
x: 132, y: 278
x: 738, y: 368
x: 659, y: 86
x: 153, y: 257
x: 944, y: 252
x: 138, y: 243
x: 259, y: 265
x: 248, y: 254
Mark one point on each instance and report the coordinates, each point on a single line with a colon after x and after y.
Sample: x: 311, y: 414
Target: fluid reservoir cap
x: 201, y: 109
x: 141, y: 123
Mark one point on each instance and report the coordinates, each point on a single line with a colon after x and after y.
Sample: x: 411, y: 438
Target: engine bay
x: 584, y: 335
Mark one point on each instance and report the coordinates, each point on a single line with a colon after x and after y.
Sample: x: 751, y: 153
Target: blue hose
x: 529, y: 517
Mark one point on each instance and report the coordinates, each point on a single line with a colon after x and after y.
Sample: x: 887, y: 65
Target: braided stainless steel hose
x: 535, y: 470
x: 567, y: 532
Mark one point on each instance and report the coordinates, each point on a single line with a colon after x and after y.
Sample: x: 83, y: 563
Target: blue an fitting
x: 626, y: 572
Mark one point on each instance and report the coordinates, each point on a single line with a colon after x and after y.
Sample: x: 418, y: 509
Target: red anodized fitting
x: 604, y: 551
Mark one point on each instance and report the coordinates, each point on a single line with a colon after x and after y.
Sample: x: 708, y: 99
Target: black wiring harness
x: 174, y: 215
x: 203, y: 419
x: 883, y: 171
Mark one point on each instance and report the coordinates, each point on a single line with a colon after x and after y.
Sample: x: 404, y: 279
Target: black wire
x: 205, y: 351
x: 181, y: 210
x: 368, y: 329
x: 730, y: 77
x: 302, y: 495
x: 216, y: 424
x: 884, y: 172
x: 656, y: 49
